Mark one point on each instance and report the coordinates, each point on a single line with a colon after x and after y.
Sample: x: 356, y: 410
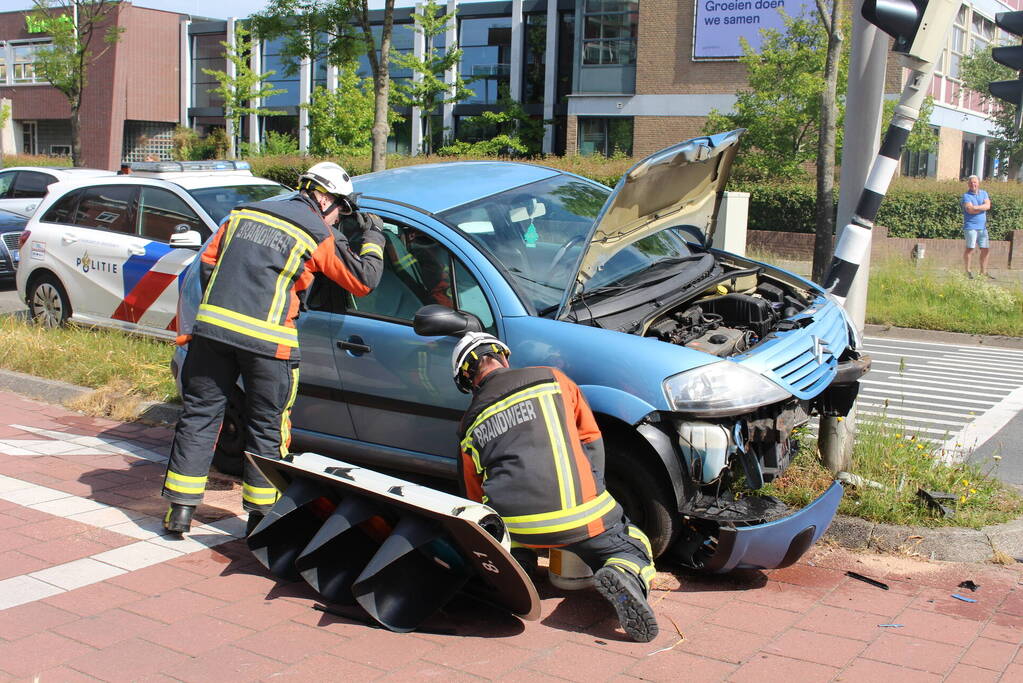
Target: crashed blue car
x: 699, y: 364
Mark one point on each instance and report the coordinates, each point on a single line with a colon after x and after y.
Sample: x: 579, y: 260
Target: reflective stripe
x: 224, y: 242
x: 531, y: 392
x: 405, y: 262
x: 371, y: 248
x: 247, y: 325
x: 286, y: 414
x: 561, y: 520
x: 183, y: 483
x: 260, y: 495
x: 266, y: 219
x: 562, y: 465
x: 622, y: 562
x: 282, y: 289
x: 638, y: 534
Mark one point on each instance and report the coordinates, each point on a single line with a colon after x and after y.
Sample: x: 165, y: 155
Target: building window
x: 536, y: 62
x: 607, y: 136
x: 207, y: 53
x: 280, y: 79
x: 29, y: 137
x: 486, y: 57
x: 18, y: 62
x: 958, y: 42
x: 609, y: 31
x: 3, y: 62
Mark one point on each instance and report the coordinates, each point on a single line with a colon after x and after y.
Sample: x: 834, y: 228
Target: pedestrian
x: 255, y: 273
x: 976, y: 203
x: 125, y: 169
x: 531, y: 449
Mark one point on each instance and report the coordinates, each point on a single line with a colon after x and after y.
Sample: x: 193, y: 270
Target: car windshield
x: 537, y: 232
x: 218, y: 201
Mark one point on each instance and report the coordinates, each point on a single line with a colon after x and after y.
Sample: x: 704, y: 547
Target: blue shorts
x: 976, y: 238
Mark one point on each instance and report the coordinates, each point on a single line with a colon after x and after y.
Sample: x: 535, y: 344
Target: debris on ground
x: 969, y: 584
x: 867, y: 579
x: 962, y: 597
x: 858, y: 481
x: 889, y: 625
x: 936, y: 501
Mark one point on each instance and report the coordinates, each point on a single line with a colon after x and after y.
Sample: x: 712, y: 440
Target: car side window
x: 107, y: 207
x: 31, y: 185
x: 6, y: 180
x: 162, y: 214
x: 63, y: 209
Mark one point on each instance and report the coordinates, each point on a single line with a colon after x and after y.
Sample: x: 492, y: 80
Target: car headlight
x: 722, y: 388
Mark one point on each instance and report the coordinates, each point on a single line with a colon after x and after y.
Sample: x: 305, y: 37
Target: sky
x: 218, y: 9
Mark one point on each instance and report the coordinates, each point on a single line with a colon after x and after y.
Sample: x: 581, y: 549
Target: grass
x: 904, y: 296
x: 902, y: 463
x: 125, y: 369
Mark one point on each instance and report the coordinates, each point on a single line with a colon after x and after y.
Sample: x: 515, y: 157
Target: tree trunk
x: 825, y: 205
x: 76, y: 133
x: 382, y: 83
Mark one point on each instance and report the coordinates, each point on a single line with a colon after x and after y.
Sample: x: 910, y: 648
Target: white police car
x: 108, y: 251
x: 22, y: 188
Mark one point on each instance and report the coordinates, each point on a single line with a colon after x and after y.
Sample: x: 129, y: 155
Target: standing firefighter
x: 255, y: 273
x: 532, y: 451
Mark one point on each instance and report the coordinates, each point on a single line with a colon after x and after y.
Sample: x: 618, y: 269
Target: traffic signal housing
x: 1011, y: 56
x: 916, y: 25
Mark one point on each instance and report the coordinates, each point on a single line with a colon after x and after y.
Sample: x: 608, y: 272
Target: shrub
x: 10, y: 160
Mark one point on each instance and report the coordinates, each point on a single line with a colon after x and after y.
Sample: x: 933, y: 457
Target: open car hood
x: 679, y: 185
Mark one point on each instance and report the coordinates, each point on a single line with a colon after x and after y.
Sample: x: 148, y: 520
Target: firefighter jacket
x: 532, y: 451
x: 257, y: 267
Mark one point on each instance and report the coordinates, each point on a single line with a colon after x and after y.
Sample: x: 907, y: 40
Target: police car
x: 22, y: 188
x: 108, y: 251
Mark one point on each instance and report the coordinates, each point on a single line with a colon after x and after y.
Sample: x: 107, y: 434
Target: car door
x: 152, y: 267
x: 398, y: 385
x: 26, y: 192
x: 94, y: 246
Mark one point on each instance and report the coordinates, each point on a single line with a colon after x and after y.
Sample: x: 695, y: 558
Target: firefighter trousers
x: 208, y: 378
x: 623, y: 546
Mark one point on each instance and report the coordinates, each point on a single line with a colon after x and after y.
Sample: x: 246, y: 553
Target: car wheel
x: 48, y: 303
x: 642, y: 492
x: 229, y: 455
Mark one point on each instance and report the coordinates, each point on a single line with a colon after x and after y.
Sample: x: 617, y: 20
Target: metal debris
x: 962, y: 597
x: 935, y: 501
x: 867, y: 579
x: 890, y: 625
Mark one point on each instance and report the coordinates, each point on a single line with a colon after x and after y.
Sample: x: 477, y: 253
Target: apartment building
x: 130, y: 106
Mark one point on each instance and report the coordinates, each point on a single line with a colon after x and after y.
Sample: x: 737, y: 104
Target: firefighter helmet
x: 469, y: 351
x: 326, y: 177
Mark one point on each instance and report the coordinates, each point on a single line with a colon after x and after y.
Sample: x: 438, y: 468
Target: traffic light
x: 1012, y: 57
x: 916, y: 25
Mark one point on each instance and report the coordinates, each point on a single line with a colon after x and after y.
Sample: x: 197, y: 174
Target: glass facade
x: 17, y: 62
x: 535, y: 54
x: 207, y: 53
x: 281, y: 79
x: 605, y: 135
x: 486, y: 57
x: 609, y: 31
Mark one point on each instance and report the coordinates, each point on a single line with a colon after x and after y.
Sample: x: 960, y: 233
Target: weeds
x: 903, y: 463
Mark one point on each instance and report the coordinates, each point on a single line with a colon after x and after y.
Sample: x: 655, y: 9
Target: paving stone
x: 725, y: 644
x: 90, y: 600
x: 380, y: 649
x: 765, y: 668
x: 155, y: 579
x: 78, y: 573
x: 38, y: 652
x: 226, y: 663
x: 34, y: 617
x: 757, y: 619
x: 964, y: 673
x: 196, y: 635
x: 324, y: 667
x: 63, y: 550
x: 674, y: 665
x: 129, y: 660
x: 939, y: 627
x: 581, y: 663
x: 484, y: 658
x: 1005, y: 627
x: 16, y: 563
x: 914, y: 653
x: 881, y: 672
x: 137, y: 555
x: 841, y: 622
x: 989, y: 654
x: 108, y: 628
x: 175, y: 605
x: 289, y: 643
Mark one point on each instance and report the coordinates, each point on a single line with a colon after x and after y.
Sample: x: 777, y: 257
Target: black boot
x: 178, y: 518
x: 254, y: 519
x: 625, y: 593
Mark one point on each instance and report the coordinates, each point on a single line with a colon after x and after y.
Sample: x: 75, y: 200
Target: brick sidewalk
x: 89, y: 590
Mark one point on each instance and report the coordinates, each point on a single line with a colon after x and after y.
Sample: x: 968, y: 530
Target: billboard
x: 721, y: 23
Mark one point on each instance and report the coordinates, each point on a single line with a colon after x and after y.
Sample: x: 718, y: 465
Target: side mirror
x: 189, y: 239
x: 434, y: 320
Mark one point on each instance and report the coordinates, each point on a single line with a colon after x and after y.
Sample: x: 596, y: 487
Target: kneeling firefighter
x: 531, y: 449
x: 255, y: 273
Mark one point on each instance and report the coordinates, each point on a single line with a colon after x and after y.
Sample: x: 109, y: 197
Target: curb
x: 949, y: 544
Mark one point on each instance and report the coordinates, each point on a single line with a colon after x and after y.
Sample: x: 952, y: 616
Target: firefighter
x: 531, y: 449
x: 255, y: 272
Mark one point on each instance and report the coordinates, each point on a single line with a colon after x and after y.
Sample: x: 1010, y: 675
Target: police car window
x: 162, y: 214
x: 62, y: 209
x: 31, y: 185
x: 5, y: 182
x: 108, y: 207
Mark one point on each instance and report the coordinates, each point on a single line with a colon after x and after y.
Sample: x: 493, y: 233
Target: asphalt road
x: 9, y: 301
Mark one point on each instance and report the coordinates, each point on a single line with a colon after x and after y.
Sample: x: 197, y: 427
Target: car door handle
x: 68, y: 238
x: 136, y: 250
x: 355, y: 345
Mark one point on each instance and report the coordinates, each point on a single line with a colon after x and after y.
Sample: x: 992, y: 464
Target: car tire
x: 639, y: 486
x: 229, y: 455
x: 48, y: 303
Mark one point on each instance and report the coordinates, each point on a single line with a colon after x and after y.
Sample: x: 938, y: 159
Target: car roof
x: 187, y: 182
x: 438, y: 187
x: 63, y: 170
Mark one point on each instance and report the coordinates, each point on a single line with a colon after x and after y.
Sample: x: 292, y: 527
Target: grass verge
x: 902, y: 463
x: 125, y: 369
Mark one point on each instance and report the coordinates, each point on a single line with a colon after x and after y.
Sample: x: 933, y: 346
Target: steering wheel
x: 560, y: 255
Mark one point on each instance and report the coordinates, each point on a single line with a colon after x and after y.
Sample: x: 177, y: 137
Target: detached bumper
x: 775, y: 544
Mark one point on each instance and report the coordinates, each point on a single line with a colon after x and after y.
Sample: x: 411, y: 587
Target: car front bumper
x: 775, y: 544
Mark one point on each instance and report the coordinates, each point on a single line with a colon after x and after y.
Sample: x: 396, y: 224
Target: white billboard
x: 721, y: 23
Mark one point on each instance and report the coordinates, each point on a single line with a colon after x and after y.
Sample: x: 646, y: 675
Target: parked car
x: 11, y: 227
x: 22, y: 188
x: 699, y: 364
x: 108, y: 251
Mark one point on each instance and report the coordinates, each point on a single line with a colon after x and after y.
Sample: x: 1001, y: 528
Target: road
x: 9, y: 301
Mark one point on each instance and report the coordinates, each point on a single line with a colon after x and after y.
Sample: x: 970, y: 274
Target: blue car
x: 699, y: 364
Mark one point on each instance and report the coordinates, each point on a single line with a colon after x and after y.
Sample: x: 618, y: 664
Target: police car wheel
x: 647, y: 500
x: 48, y: 303
x: 229, y: 457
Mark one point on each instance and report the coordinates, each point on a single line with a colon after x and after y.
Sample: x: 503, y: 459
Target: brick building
x: 130, y: 105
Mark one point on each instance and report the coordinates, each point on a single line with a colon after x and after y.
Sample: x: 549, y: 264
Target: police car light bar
x: 186, y: 166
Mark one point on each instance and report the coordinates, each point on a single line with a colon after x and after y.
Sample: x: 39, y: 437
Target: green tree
x: 507, y: 132
x: 977, y: 70
x: 5, y: 113
x: 77, y: 28
x: 341, y: 121
x: 427, y: 89
x: 238, y: 90
x: 337, y: 31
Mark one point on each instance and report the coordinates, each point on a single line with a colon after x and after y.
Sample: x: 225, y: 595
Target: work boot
x: 254, y: 519
x: 625, y: 593
x: 178, y: 518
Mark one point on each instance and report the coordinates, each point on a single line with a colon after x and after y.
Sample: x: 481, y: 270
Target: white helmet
x: 326, y: 177
x: 468, y: 353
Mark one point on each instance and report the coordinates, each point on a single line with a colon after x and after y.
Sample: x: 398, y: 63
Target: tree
x: 337, y: 31
x: 977, y: 70
x: 506, y: 132
x: 5, y: 113
x: 341, y: 121
x: 76, y: 28
x: 427, y: 89
x: 831, y: 20
x: 240, y: 89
